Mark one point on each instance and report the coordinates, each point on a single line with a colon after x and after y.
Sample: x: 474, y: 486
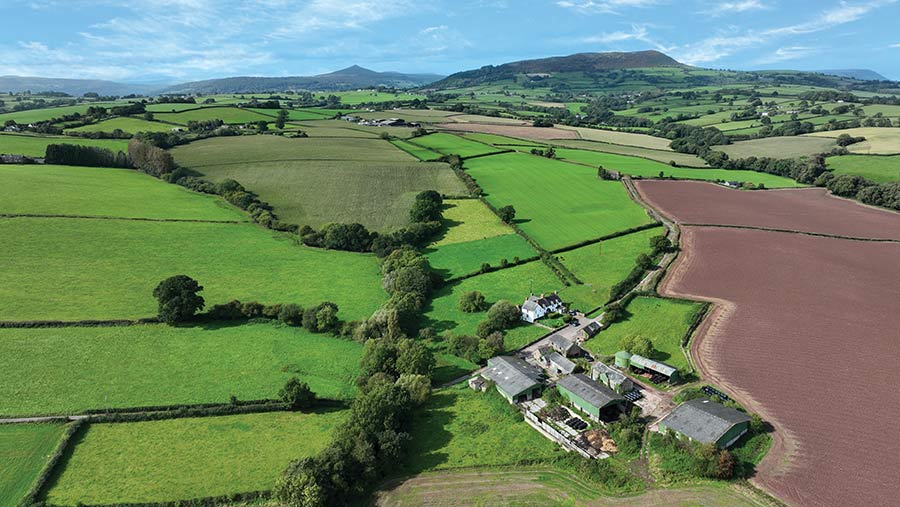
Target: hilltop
x: 17, y: 84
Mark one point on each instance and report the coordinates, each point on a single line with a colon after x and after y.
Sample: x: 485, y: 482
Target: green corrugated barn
x: 591, y: 397
x: 706, y: 421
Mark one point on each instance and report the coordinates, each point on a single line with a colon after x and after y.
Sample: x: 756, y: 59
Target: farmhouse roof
x: 512, y: 375
x: 561, y: 344
x: 593, y: 392
x: 649, y: 364
x: 530, y: 306
x: 703, y: 420
x: 561, y: 363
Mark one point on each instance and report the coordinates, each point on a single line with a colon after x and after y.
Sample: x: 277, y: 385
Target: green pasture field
x: 644, y: 168
x: 414, y: 115
x: 417, y: 151
x: 99, y: 191
x: 877, y: 168
x: 477, y: 118
x: 451, y: 144
x: 332, y: 128
x: 36, y: 115
x: 602, y: 265
x: 557, y: 203
x: 682, y: 159
x: 885, y: 110
x: 156, y: 364
x: 364, y: 96
x: 464, y: 428
x: 75, y: 269
x: 175, y: 107
x: 663, y: 321
x: 188, y: 458
x: 299, y: 114
x: 501, y: 141
x: 457, y: 259
x: 624, y: 138
x: 231, y: 115
x: 125, y: 124
x: 879, y: 141
x: 512, y: 284
x: 36, y: 146
x: 778, y: 147
x: 469, y: 220
x: 24, y: 450
x: 320, y: 181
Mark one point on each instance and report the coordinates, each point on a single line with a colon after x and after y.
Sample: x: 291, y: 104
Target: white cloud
x: 895, y: 45
x: 637, y: 33
x: 603, y: 6
x: 845, y: 13
x: 786, y: 53
x: 725, y: 8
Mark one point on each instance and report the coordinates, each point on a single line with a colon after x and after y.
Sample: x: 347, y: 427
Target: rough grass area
x: 464, y: 428
x: 230, y: 115
x: 557, y: 203
x: 663, y: 321
x: 623, y: 138
x: 664, y: 156
x: 469, y: 220
x: 24, y: 449
x: 188, y: 458
x: 501, y: 141
x: 319, y: 181
x: 417, y: 151
x: 642, y: 167
x: 139, y: 366
x: 602, y: 265
x: 366, y: 96
x: 73, y: 269
x: 879, y: 141
x: 880, y: 169
x: 451, y: 144
x: 36, y: 146
x: 37, y: 115
x: 778, y: 147
x: 125, y: 124
x: 96, y: 191
x: 457, y: 259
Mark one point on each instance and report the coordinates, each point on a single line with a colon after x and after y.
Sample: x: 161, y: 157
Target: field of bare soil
x: 805, y: 331
x: 807, y: 210
x: 521, y: 132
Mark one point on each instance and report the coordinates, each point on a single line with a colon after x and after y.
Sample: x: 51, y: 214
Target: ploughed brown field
x: 538, y: 133
x: 806, y: 209
x: 806, y: 331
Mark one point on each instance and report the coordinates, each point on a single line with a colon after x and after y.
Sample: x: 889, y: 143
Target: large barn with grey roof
x: 706, y: 421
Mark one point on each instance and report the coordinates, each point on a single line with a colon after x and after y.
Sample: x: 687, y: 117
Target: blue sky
x: 179, y: 40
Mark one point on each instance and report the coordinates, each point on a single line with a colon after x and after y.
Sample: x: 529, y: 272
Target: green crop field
x: 877, y: 168
x: 174, y: 107
x: 556, y: 203
x: 77, y: 269
x: 457, y: 259
x: 664, y: 156
x: 36, y: 146
x: 451, y: 144
x: 663, y: 321
x: 320, y: 181
x: 125, y: 124
x: 417, y: 151
x: 469, y: 220
x: 71, y: 190
x: 366, y: 96
x: 24, y: 450
x: 188, y: 458
x: 36, y: 115
x: 778, y: 147
x: 149, y: 365
x: 635, y: 166
x: 879, y: 141
x: 502, y: 141
x: 464, y: 428
x: 624, y: 138
x: 602, y: 265
x: 232, y: 115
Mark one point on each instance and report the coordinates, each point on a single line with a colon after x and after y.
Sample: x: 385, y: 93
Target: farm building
x: 589, y: 331
x: 594, y: 399
x: 706, y: 421
x: 564, y: 346
x: 612, y: 378
x: 670, y: 373
x: 516, y: 380
x: 535, y: 308
x: 478, y: 384
x: 623, y: 359
x: 541, y: 355
x: 560, y: 365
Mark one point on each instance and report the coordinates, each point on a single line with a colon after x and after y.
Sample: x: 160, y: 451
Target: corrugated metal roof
x: 591, y: 391
x: 615, y: 376
x: 512, y: 375
x: 703, y: 420
x: 649, y: 364
x: 561, y: 363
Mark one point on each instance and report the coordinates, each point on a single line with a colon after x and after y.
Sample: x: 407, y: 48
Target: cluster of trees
x: 802, y: 170
x: 457, y: 165
x: 204, y: 125
x: 428, y: 207
x: 642, y: 264
x: 321, y: 318
x: 886, y: 195
x: 281, y: 119
x: 637, y: 344
x: 846, y: 140
x: 89, y: 156
x: 548, y: 153
x: 500, y: 317
x: 350, y: 237
x: 113, y: 134
x: 689, y: 138
x: 150, y: 159
x: 235, y: 193
x: 133, y: 108
x: 696, y: 459
x: 178, y: 299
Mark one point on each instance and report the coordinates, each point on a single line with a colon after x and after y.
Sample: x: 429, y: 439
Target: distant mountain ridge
x: 345, y: 79
x: 76, y: 87
x: 861, y: 74
x: 579, y: 62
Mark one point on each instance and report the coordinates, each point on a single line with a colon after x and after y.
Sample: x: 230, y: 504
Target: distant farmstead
x: 516, y: 380
x: 535, y: 308
x: 707, y: 422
